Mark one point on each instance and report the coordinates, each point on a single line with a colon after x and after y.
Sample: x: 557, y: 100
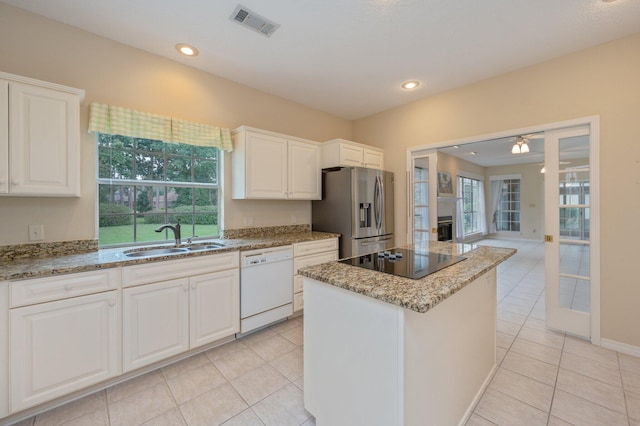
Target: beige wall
x: 113, y: 73
x: 600, y: 81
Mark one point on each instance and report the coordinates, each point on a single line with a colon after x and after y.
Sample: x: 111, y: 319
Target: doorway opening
x: 517, y: 202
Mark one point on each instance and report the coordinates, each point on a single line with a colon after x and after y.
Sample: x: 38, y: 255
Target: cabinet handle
x: 15, y: 181
x: 193, y: 286
x: 112, y: 303
x: 68, y: 287
x: 186, y: 287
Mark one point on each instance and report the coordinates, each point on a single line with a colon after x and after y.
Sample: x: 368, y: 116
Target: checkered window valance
x: 116, y: 120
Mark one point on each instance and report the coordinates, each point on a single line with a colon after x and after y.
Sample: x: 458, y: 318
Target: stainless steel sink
x: 205, y: 246
x: 155, y: 252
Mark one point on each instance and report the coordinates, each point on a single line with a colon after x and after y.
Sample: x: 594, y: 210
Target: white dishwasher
x: 266, y: 286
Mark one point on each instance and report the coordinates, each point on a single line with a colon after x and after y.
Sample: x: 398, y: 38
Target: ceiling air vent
x: 252, y: 20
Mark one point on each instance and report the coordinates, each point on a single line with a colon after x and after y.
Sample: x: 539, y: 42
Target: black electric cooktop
x: 404, y: 262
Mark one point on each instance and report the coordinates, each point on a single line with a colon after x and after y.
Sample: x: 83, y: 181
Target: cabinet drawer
x: 46, y: 289
x: 315, y: 259
x: 171, y: 269
x: 297, y: 283
x: 312, y: 247
x: 298, y: 301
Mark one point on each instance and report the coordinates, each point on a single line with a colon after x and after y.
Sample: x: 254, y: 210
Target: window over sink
x: 143, y: 183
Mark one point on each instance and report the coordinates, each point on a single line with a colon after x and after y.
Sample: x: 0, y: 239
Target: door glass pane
x: 421, y: 193
x: 575, y: 294
x: 421, y: 236
x: 574, y: 223
x: 421, y: 218
x: 574, y: 218
x: 574, y: 260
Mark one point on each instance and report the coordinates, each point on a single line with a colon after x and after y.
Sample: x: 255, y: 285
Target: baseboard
x: 620, y: 347
x: 475, y: 401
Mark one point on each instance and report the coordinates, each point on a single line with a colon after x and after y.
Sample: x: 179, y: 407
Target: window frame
x: 511, y: 212
x: 167, y: 186
x: 475, y: 211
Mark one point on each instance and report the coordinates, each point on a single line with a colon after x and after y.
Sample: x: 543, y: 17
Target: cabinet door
x: 266, y: 162
x: 44, y: 134
x: 155, y: 321
x: 373, y: 159
x: 4, y: 136
x: 60, y: 347
x: 305, y: 176
x: 215, y: 306
x: 350, y: 155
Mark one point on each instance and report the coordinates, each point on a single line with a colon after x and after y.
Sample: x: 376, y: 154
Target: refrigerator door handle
x: 381, y: 240
x: 378, y: 200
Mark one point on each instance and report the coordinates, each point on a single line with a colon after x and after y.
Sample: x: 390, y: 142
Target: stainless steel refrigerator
x: 358, y: 204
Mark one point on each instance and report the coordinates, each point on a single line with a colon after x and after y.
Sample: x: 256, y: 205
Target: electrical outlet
x: 294, y: 219
x: 248, y: 221
x: 36, y: 232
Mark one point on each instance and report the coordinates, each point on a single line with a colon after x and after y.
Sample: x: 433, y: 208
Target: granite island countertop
x: 24, y: 268
x: 417, y: 295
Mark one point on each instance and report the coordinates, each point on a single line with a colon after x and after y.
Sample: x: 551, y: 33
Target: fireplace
x: 445, y: 228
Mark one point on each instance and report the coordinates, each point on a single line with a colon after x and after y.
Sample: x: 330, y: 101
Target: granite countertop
x: 417, y: 295
x: 110, y: 258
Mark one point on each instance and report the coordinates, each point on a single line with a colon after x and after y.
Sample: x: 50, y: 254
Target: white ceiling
x: 349, y: 57
x: 497, y: 152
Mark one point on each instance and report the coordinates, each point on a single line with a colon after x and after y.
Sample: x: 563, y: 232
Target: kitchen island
x: 380, y: 349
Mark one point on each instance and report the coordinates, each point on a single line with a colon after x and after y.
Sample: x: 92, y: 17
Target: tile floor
x: 549, y: 378
x: 543, y: 377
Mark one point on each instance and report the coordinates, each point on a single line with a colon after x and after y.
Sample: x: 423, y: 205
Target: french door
x: 422, y: 196
x: 571, y: 251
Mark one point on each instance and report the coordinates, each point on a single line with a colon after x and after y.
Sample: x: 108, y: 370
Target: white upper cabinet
x: 341, y: 152
x: 273, y: 166
x: 39, y: 138
x: 304, y: 171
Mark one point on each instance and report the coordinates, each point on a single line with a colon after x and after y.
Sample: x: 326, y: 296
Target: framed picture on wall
x: 445, y: 184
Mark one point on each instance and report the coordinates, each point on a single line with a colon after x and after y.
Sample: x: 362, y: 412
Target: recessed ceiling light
x: 410, y: 84
x: 609, y: 1
x: 186, y: 49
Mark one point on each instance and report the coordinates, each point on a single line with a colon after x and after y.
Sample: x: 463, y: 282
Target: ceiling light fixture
x: 410, y: 84
x: 520, y: 146
x: 186, y: 49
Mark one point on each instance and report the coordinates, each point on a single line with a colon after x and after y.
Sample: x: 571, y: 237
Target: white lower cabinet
x: 64, y: 333
x: 156, y: 322
x: 62, y: 346
x: 214, y: 305
x: 308, y: 254
x: 165, y: 318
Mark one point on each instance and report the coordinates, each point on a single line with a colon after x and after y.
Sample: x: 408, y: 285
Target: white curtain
x: 496, y: 194
x: 459, y: 212
x: 482, y: 211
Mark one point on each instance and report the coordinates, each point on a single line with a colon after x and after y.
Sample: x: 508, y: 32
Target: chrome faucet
x: 175, y: 229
